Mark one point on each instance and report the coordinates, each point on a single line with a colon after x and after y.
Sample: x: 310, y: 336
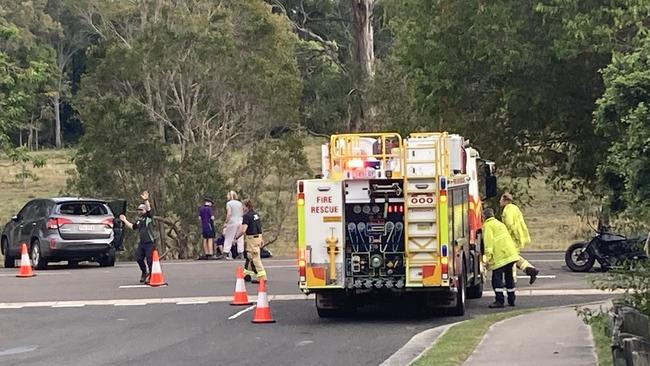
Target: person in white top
x: 234, y: 214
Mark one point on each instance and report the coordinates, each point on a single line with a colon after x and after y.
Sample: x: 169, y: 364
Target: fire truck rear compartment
x: 374, y: 243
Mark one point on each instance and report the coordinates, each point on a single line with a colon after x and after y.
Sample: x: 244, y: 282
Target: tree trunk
x: 57, y: 120
x: 364, y: 56
x: 30, y: 138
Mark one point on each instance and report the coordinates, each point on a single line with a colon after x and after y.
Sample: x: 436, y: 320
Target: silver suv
x: 64, y: 229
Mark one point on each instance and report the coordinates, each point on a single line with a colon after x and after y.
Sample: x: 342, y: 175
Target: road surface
x: 102, y: 316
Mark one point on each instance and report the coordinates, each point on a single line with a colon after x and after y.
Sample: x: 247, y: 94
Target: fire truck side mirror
x: 491, y: 186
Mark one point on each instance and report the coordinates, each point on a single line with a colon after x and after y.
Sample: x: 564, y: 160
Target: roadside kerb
x: 418, y: 345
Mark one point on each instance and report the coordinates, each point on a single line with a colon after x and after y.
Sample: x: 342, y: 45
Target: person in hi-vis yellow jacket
x: 512, y: 217
x: 501, y: 255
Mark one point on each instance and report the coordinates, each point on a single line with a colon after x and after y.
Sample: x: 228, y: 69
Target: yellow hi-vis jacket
x: 499, y: 247
x: 514, y: 221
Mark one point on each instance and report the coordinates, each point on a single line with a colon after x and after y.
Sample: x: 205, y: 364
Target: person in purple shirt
x: 206, y: 216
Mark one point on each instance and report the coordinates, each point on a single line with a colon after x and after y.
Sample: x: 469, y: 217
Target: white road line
x: 68, y: 305
x: 540, y: 276
x: 236, y: 315
x: 38, y: 274
x: 547, y: 260
x: 287, y: 266
x: 578, y: 292
x: 134, y: 286
x: 192, y: 303
x: 284, y: 297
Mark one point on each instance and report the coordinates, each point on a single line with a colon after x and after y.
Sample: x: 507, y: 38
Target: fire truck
x: 393, y: 217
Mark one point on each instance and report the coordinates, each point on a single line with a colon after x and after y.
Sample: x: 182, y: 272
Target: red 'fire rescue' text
x: 324, y: 209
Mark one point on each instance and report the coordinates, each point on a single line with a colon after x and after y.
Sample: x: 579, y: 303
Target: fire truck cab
x: 393, y: 217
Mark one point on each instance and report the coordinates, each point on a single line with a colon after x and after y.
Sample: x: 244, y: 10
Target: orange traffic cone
x: 25, y: 264
x: 156, y: 277
x: 240, y: 296
x: 262, y: 311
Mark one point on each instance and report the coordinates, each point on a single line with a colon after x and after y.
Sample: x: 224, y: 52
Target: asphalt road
x: 81, y: 316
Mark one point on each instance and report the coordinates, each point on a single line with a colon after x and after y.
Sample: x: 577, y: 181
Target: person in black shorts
x: 206, y: 216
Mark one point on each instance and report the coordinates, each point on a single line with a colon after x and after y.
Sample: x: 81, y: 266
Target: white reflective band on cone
x: 155, y: 268
x: 239, y: 285
x: 262, y: 300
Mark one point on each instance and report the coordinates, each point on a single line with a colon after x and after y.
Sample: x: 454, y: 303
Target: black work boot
x: 144, y: 276
x: 496, y: 305
x: 532, y: 272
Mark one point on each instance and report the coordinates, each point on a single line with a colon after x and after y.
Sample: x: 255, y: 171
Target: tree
x: 337, y: 59
x: 202, y: 82
x: 618, y: 30
x: 67, y: 39
x: 268, y: 176
x: 364, y: 55
x: 489, y: 71
x: 623, y: 116
x: 23, y: 74
x: 204, y: 72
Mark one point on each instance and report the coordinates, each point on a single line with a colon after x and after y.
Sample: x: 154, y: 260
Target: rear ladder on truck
x: 426, y: 160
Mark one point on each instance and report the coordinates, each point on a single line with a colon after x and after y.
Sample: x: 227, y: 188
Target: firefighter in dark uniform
x: 251, y: 227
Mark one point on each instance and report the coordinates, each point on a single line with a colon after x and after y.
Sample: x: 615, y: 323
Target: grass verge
x: 458, y: 343
x: 601, y: 332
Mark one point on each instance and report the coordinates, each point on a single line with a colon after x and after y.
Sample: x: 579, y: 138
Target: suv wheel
x: 108, y: 260
x: 9, y: 262
x: 37, y: 259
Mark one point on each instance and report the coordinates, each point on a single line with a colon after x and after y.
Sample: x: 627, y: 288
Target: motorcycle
x: 608, y: 248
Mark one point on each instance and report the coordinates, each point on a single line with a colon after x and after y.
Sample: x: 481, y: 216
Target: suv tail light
x: 108, y: 223
x: 56, y: 222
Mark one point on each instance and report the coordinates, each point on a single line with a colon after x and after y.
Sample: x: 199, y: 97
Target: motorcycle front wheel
x: 579, y: 259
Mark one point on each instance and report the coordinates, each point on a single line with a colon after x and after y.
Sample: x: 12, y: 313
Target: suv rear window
x: 83, y: 208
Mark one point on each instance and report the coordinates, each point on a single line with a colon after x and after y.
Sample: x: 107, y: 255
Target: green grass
x: 553, y: 225
x: 603, y: 341
x: 51, y: 181
x: 458, y: 343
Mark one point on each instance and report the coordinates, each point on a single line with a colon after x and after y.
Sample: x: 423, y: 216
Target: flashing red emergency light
x: 356, y: 164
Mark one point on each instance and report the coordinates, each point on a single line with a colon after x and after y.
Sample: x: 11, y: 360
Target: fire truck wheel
x: 459, y: 307
x: 475, y: 291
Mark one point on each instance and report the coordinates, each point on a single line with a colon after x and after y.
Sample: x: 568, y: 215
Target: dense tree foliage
x: 489, y: 71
